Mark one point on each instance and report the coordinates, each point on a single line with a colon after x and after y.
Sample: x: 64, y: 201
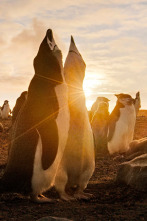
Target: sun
x: 90, y: 83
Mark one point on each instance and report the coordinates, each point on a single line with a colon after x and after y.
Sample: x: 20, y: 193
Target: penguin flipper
x: 49, y: 137
x: 113, y: 118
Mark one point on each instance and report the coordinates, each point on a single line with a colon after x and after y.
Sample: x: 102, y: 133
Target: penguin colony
x: 53, y: 142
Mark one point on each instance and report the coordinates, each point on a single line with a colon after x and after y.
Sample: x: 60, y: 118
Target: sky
x: 111, y: 36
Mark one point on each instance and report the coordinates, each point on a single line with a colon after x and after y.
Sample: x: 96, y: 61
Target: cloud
x: 111, y: 36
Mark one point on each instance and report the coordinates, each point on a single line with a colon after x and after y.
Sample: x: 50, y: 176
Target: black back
x: 37, y: 115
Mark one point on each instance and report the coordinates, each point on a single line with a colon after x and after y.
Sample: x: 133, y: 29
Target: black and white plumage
x: 78, y: 162
x: 5, y: 110
x: 41, y: 130
x: 121, y: 124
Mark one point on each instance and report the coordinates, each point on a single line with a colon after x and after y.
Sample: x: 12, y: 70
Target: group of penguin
x: 53, y: 137
x: 52, y: 141
x: 114, y: 132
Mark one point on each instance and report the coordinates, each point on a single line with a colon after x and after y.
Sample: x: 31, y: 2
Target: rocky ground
x: 111, y: 200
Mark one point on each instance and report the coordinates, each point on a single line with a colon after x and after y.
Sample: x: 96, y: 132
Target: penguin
x: 96, y: 104
x: 5, y: 110
x: 41, y: 130
x: 99, y: 124
x: 137, y: 102
x: 19, y: 103
x: 121, y: 124
x: 78, y: 161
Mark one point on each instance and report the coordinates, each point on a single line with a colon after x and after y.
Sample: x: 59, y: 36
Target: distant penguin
x: 19, y: 103
x: 41, y: 130
x: 78, y: 162
x: 137, y: 102
x: 99, y: 124
x: 5, y: 110
x: 121, y: 124
x: 96, y: 104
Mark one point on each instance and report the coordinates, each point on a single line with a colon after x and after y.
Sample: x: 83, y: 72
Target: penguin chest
x: 44, y: 178
x: 5, y: 111
x: 124, y: 130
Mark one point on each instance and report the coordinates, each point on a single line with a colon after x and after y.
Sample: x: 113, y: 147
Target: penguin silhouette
x: 78, y: 161
x: 40, y: 133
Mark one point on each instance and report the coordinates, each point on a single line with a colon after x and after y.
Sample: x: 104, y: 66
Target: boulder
x: 134, y: 173
x: 137, y: 148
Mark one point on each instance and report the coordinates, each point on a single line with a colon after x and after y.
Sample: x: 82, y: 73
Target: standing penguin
x: 96, y: 105
x: 137, y: 102
x: 5, y: 110
x: 78, y: 162
x: 99, y: 124
x: 19, y: 103
x: 41, y: 129
x: 121, y: 124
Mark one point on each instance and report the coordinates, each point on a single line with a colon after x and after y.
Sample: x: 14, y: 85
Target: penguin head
x: 124, y: 99
x: 24, y: 95
x: 6, y: 102
x: 74, y: 68
x: 48, y: 61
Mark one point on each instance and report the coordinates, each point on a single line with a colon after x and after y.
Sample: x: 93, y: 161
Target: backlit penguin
x: 121, y: 124
x: 5, y: 110
x: 137, y: 102
x: 41, y: 129
x: 78, y: 163
x: 99, y: 124
x: 96, y: 104
x: 19, y: 103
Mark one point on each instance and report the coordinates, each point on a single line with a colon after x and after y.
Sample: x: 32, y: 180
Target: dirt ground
x: 111, y: 201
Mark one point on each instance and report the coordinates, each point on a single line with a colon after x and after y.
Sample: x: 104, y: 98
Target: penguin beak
x: 50, y: 40
x: 73, y: 47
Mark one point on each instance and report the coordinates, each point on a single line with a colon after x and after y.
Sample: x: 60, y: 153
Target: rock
x: 51, y: 218
x: 137, y: 148
x: 134, y: 173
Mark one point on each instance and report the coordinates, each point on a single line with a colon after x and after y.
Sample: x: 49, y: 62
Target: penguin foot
x: 41, y: 199
x: 84, y: 196
x: 66, y: 197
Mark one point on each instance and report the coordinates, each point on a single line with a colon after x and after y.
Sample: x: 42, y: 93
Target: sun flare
x: 91, y: 82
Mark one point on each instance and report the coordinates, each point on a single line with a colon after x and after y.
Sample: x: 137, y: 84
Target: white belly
x: 5, y: 112
x: 44, y: 179
x: 78, y: 159
x: 124, y: 131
